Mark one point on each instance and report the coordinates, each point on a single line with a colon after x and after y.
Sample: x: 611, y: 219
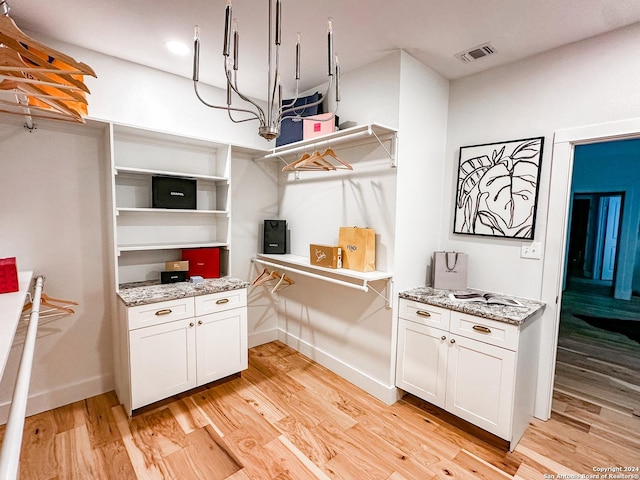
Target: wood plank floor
x: 600, y: 366
x: 287, y: 417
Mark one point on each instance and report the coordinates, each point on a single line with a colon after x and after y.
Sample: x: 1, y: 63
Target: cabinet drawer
x: 424, y: 314
x: 501, y: 334
x: 221, y: 301
x: 161, y: 312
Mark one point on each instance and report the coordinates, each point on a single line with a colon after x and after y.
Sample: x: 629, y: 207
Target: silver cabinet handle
x: 481, y: 328
x: 165, y: 311
x: 222, y: 301
x: 422, y: 313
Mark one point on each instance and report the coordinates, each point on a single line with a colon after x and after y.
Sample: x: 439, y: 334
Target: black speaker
x: 173, y: 192
x: 275, y: 237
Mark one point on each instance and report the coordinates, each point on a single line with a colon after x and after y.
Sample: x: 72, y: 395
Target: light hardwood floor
x: 287, y: 417
x: 598, y: 365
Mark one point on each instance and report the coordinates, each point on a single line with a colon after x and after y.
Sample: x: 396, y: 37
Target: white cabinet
x: 176, y: 345
x: 475, y: 368
x: 145, y: 237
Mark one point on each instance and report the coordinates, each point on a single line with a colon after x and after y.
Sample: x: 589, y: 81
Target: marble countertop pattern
x: 144, y: 293
x: 501, y: 313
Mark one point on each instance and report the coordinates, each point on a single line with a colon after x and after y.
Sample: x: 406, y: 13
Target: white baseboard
x: 260, y: 338
x: 384, y: 393
x: 43, y: 401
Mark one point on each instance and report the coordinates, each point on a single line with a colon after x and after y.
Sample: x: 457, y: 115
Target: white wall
x: 53, y: 197
x: 348, y: 330
x: 55, y: 217
x: 424, y: 97
x: 585, y: 83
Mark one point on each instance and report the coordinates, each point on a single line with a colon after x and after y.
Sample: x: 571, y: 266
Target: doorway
x: 597, y: 355
x: 556, y: 247
x: 596, y: 220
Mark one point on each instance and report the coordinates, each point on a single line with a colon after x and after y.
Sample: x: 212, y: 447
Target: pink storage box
x: 313, y: 126
x: 8, y: 275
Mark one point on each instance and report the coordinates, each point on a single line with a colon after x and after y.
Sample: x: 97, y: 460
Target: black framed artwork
x: 497, y: 188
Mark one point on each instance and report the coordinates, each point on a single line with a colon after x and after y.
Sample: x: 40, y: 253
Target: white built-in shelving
x: 146, y: 237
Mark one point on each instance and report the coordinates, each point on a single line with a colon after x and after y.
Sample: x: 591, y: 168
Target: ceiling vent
x: 477, y: 53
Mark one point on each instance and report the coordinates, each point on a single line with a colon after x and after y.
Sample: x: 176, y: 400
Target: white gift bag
x: 450, y: 270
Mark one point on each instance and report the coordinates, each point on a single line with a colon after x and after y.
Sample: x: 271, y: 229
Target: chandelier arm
x: 240, y: 121
x: 293, y: 101
x: 260, y: 115
x: 220, y: 107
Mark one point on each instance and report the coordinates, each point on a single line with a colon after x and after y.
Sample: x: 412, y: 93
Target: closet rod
x: 364, y: 287
x: 10, y: 455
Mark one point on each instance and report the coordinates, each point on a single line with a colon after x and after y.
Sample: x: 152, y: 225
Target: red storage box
x: 203, y: 262
x: 8, y: 275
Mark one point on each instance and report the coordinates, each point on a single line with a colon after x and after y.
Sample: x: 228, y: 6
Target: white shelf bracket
x: 393, y: 154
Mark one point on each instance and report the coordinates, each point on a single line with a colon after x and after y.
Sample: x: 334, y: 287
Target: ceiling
x: 432, y: 31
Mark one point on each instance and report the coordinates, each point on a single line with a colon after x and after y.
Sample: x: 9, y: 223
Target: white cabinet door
x: 221, y: 344
x: 421, y: 366
x: 480, y: 384
x: 163, y: 361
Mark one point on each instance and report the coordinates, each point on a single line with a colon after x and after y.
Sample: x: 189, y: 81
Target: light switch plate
x: 531, y: 250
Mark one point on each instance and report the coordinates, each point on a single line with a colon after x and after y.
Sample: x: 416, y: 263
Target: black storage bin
x: 275, y: 237
x: 173, y: 192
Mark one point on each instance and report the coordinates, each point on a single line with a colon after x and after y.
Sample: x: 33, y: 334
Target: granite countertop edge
x: 500, y: 313
x: 145, y: 293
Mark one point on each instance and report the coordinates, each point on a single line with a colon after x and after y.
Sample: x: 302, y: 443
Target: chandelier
x: 275, y: 110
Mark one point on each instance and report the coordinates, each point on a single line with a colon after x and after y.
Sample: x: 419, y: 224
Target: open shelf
x: 170, y: 210
x: 375, y: 130
x: 145, y: 171
x: 341, y: 276
x: 168, y: 246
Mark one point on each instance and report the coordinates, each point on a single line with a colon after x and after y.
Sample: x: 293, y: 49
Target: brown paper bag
x: 358, y: 248
x: 450, y: 271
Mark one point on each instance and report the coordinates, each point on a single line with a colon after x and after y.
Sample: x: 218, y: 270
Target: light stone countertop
x: 501, y: 313
x: 144, y: 293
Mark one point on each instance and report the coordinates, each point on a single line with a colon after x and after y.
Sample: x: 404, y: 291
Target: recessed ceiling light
x: 177, y: 47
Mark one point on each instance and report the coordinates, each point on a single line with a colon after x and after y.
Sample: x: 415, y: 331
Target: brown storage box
x: 325, y: 256
x: 177, y: 266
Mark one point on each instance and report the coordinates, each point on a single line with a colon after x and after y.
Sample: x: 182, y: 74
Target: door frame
x: 555, y: 248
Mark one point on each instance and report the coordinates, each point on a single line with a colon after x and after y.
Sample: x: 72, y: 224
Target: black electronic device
x: 173, y: 277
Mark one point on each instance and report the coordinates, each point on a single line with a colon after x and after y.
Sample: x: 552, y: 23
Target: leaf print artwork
x: 497, y: 188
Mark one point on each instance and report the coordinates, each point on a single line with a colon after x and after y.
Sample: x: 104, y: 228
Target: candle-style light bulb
x: 227, y: 29
x: 278, y: 22
x: 236, y: 43
x: 196, y: 53
x: 298, y: 56
x: 337, y: 78
x: 330, y: 45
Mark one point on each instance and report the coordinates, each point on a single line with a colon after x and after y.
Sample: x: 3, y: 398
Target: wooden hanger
x: 269, y: 276
x: 51, y: 81
x: 315, y: 161
x: 50, y: 302
x: 283, y: 283
x: 331, y: 153
x: 11, y: 36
